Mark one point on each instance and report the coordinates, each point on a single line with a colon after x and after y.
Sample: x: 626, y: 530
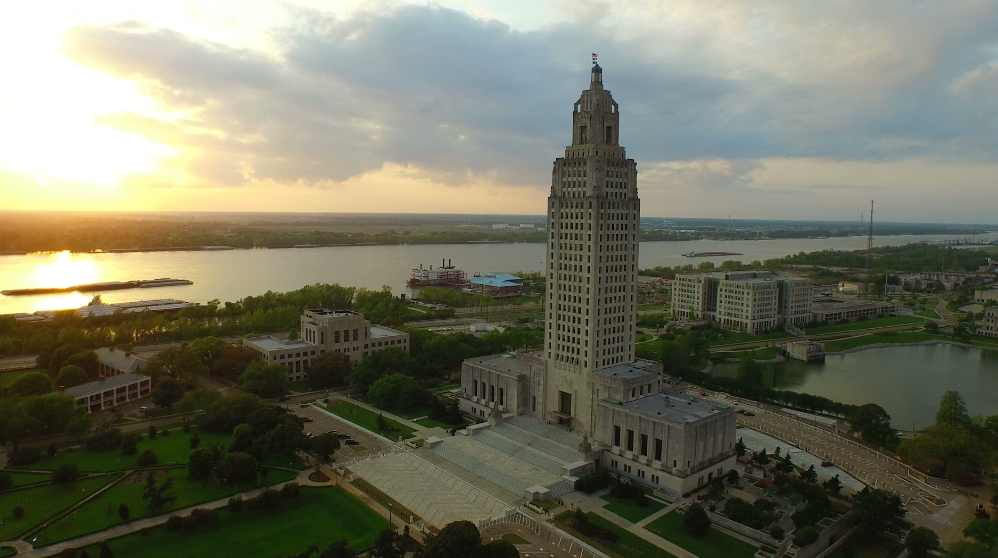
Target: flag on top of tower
x: 594, y: 58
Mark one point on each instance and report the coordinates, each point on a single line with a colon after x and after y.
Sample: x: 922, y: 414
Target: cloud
x: 707, y: 91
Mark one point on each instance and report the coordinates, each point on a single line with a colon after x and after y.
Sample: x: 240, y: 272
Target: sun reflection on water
x: 65, y: 270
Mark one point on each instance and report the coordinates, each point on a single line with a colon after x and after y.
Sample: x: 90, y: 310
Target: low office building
x: 105, y: 393
x: 496, y: 285
x: 327, y: 331
x: 980, y: 297
x: 988, y: 326
x: 112, y: 362
x: 836, y: 309
x: 747, y: 301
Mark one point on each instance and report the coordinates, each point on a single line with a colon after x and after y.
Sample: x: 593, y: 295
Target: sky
x: 770, y: 109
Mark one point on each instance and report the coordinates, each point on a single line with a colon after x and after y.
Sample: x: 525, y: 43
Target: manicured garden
x: 714, y: 545
x: 626, y: 545
x: 433, y: 423
x: 369, y: 420
x: 928, y: 313
x: 318, y: 516
x: 889, y: 321
x: 23, y: 479
x: 627, y: 509
x: 41, y: 502
x: 102, y: 512
x: 170, y: 449
x: 414, y: 413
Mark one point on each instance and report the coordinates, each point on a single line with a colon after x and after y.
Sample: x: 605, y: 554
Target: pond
x: 907, y: 381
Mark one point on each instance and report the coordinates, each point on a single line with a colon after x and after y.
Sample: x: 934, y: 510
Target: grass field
x: 866, y: 324
x: 625, y: 508
x: 715, y: 545
x: 431, y: 423
x: 873, y: 339
x: 735, y: 338
x: 7, y: 378
x: 42, y: 502
x: 318, y: 516
x: 102, y: 512
x: 928, y: 313
x: 169, y: 449
x: 24, y: 479
x: 299, y: 386
x: 628, y: 545
x: 367, y: 419
x: 408, y: 415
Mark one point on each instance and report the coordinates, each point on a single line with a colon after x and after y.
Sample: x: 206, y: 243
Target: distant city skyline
x: 764, y: 110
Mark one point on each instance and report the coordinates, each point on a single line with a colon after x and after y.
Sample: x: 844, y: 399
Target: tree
x: 805, y: 536
x: 833, y: 485
x: 209, y: 349
x: 71, y: 376
x: 382, y: 363
x: 760, y: 457
x: 152, y: 431
x: 176, y: 362
x: 65, y: 473
x: 32, y: 383
x: 785, y: 465
x: 984, y: 531
x: 328, y: 370
x: 947, y: 451
x: 454, y: 415
x: 398, y: 392
x: 749, y: 370
x: 237, y: 467
x: 338, y: 549
x: 952, y: 411
x: 233, y: 362
x: 123, y: 512
x: 877, y: 510
x: 242, y: 439
x: 285, y: 439
x: 740, y: 448
x: 458, y: 539
x: 105, y: 550
x: 157, y: 494
x: 79, y: 425
x: 921, y: 542
x: 810, y: 475
x: 85, y: 360
x: 167, y: 392
x: 200, y: 462
x: 265, y: 380
x: 197, y: 400
x: 732, y: 477
x: 146, y: 458
x: 696, y: 522
x: 500, y: 549
x: 386, y: 546
x: 325, y: 445
x: 874, y: 425
x: 229, y: 411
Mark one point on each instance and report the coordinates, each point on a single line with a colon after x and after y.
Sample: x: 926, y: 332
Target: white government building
x: 748, y: 301
x: 586, y: 380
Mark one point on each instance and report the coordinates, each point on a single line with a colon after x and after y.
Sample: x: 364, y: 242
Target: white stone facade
x: 989, y: 325
x: 750, y: 301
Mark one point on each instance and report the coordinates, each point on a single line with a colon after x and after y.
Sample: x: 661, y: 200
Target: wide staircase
x: 434, y: 494
x: 476, y: 467
x: 567, y: 454
x: 556, y: 434
x: 520, y: 451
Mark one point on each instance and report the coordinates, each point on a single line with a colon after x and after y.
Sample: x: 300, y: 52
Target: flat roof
x: 269, y: 343
x: 492, y: 282
x: 677, y: 408
x: 106, y: 384
x: 334, y: 313
x: 382, y: 331
x: 629, y: 371
x: 502, y: 362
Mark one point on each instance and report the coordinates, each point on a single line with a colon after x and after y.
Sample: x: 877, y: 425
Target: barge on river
x: 106, y: 286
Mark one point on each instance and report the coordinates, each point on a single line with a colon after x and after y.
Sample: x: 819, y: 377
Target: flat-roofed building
x: 837, y: 309
x: 982, y: 296
x: 989, y: 324
x: 796, y: 296
x: 296, y: 355
x: 747, y: 301
x: 112, y: 362
x: 748, y: 305
x: 105, y: 393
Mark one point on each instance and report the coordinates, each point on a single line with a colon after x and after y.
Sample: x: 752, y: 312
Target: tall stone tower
x: 593, y: 215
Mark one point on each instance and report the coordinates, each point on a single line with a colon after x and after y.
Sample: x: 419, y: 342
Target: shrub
x: 53, y: 450
x: 290, y: 490
x: 187, y: 426
x: 24, y: 456
x: 6, y: 481
x: 164, y: 432
x: 104, y: 439
x: 146, y: 458
x: 580, y: 522
x: 195, y: 441
x: 152, y: 432
x: 123, y: 512
x: 174, y: 523
x: 271, y: 498
x: 776, y: 532
x: 199, y: 517
x: 129, y: 443
x: 236, y: 504
x: 18, y: 512
x: 805, y: 536
x: 597, y: 480
x: 696, y: 521
x: 67, y: 472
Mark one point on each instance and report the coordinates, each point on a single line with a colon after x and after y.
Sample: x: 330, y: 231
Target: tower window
x: 583, y: 134
x: 609, y: 135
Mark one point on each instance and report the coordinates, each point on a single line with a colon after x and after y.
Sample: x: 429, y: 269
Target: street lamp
x: 390, y: 515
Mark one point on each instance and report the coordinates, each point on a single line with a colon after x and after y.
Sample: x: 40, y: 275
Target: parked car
x: 351, y: 442
x: 343, y: 436
x: 284, y: 398
x: 306, y: 419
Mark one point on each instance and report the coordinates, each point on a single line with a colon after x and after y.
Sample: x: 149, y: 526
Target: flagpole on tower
x: 594, y: 59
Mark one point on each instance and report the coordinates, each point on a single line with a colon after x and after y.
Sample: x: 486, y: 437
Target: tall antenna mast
x: 869, y: 246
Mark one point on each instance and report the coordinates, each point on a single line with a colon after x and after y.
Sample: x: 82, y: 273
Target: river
x: 907, y: 381
x: 233, y: 274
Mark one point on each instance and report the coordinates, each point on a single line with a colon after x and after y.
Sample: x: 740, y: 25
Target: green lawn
x: 318, y: 516
x: 625, y: 508
x: 300, y: 386
x: 431, y: 423
x: 368, y: 419
x: 408, y: 415
x: 102, y: 512
x: 715, y: 545
x: 22, y: 479
x: 928, y: 313
x: 41, y: 502
x: 872, y: 547
x: 866, y: 324
x: 169, y: 449
x: 628, y: 545
x: 7, y: 378
x: 873, y: 339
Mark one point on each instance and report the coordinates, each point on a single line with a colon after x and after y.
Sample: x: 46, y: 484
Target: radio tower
x: 869, y: 246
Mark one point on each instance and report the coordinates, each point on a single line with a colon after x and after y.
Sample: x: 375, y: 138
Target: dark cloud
x: 457, y: 96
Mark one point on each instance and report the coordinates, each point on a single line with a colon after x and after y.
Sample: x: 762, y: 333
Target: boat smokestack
x: 448, y: 262
x: 443, y: 262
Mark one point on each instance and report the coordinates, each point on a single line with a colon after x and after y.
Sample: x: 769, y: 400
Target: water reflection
x: 907, y: 381
x: 64, y: 269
